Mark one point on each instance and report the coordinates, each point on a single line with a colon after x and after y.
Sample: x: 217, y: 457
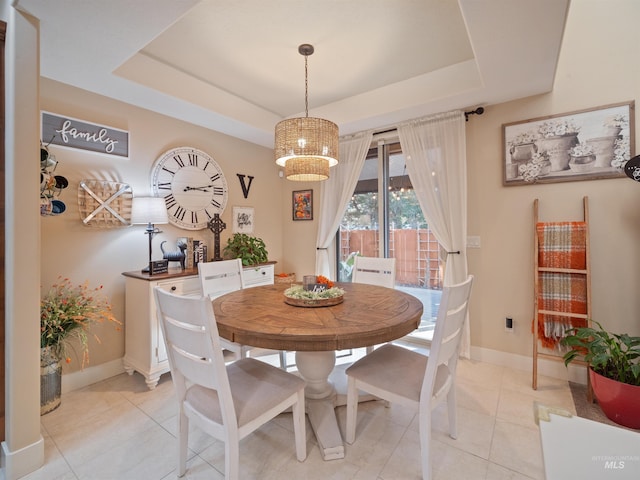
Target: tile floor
x: 117, y: 429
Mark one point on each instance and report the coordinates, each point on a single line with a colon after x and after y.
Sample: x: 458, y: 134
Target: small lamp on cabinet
x: 149, y: 211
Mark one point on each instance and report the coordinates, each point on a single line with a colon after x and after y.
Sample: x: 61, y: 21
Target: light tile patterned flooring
x: 117, y: 429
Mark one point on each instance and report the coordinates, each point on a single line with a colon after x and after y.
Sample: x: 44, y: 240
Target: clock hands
x: 201, y: 189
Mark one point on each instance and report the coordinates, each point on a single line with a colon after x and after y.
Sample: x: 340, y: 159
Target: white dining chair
x: 374, y: 271
x: 413, y: 380
x: 224, y: 276
x: 229, y: 401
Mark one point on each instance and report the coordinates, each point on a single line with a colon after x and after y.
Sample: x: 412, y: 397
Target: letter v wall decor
x: 245, y: 186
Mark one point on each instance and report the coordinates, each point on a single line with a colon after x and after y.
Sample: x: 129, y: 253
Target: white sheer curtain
x: 335, y: 194
x: 435, y: 152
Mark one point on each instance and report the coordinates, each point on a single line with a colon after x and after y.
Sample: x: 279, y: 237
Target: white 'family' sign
x: 73, y: 133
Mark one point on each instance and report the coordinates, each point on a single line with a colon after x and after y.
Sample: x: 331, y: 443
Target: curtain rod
x: 386, y: 131
x: 477, y: 111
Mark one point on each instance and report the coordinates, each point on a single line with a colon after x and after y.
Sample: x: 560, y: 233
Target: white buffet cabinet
x: 145, y: 351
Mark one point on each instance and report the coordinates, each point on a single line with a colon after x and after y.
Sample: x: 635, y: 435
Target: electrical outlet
x: 508, y: 324
x: 473, y: 242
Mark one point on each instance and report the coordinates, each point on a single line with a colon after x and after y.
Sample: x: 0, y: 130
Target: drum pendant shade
x: 306, y: 146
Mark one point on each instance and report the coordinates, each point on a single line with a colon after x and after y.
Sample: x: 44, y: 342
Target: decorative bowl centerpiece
x: 322, y: 293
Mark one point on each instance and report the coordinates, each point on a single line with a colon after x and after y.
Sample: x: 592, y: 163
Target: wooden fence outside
x: 416, y: 252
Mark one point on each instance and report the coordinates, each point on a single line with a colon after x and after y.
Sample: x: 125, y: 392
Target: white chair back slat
x: 374, y: 271
x: 193, y: 345
x: 218, y: 278
x: 448, y: 333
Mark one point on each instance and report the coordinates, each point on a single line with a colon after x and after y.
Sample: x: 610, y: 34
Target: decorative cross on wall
x: 216, y: 225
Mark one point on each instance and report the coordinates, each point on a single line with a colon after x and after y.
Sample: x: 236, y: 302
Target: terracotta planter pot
x: 523, y: 152
x: 582, y: 164
x: 611, y: 131
x: 620, y: 402
x: 603, y: 148
x: 558, y: 149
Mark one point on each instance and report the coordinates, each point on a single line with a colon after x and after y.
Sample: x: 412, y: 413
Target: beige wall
x: 299, y: 237
x: 71, y: 249
x: 598, y: 65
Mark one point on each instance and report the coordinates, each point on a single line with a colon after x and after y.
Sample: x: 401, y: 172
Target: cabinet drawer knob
x: 173, y: 288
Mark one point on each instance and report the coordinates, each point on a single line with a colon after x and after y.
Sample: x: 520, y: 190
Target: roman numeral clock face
x: 193, y: 187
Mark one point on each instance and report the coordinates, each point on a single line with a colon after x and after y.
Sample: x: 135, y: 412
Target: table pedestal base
x: 326, y: 389
x: 323, y: 421
x: 320, y: 400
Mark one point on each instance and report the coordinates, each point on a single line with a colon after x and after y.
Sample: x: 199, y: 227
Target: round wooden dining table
x: 369, y: 315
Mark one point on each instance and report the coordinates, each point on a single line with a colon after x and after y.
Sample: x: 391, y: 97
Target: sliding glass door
x: 384, y: 219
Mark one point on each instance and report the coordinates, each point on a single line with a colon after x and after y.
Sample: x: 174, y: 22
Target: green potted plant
x: 614, y: 370
x: 66, y: 311
x: 251, y: 250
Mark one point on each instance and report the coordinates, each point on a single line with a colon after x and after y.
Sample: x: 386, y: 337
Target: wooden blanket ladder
x: 562, y: 284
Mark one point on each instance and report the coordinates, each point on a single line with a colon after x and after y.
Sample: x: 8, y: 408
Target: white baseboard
x: 547, y: 368
x: 21, y: 462
x: 90, y: 375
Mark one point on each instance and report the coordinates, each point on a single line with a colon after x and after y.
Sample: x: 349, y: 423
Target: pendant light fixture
x: 306, y: 146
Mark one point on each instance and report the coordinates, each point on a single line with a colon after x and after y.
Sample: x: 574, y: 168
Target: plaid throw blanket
x: 561, y: 245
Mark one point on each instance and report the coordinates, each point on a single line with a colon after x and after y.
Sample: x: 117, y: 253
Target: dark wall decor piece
x: 216, y: 225
x: 583, y: 145
x: 74, y: 133
x: 632, y: 168
x: 302, y: 205
x: 51, y: 185
x: 245, y: 186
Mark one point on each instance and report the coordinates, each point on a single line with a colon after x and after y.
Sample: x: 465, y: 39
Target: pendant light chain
x: 306, y: 86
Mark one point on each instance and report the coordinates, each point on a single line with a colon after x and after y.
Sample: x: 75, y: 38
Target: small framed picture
x: 302, y: 205
x: 243, y: 218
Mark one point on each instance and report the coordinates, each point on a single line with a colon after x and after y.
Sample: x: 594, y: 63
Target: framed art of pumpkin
x: 302, y: 205
x: 582, y: 145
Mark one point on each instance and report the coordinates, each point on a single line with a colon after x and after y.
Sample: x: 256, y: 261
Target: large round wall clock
x: 192, y: 184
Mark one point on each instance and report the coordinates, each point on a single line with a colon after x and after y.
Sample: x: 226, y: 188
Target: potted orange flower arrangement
x: 67, y: 311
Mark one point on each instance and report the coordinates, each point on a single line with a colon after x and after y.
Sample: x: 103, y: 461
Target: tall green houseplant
x: 614, y: 370
x: 251, y: 250
x: 615, y: 356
